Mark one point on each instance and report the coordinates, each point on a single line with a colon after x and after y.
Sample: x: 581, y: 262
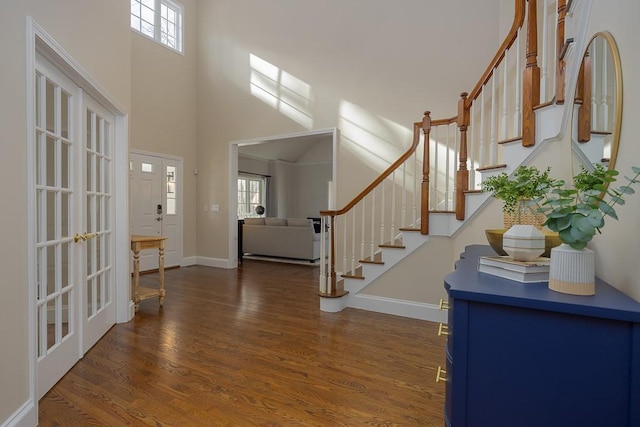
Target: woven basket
x: 524, y: 215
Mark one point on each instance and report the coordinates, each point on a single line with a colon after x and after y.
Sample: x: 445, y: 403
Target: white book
x: 518, y: 276
x: 539, y: 265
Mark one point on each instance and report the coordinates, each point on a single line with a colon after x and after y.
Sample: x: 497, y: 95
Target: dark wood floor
x: 250, y: 347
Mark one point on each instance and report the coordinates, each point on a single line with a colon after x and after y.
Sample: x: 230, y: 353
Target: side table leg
x: 136, y: 278
x: 161, y: 271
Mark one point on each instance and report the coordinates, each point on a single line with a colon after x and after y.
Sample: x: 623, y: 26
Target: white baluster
x: 545, y: 50
x: 323, y: 264
x: 472, y: 140
x: 344, y: 244
x: 517, y: 113
x: 604, y: 100
x: 403, y: 220
x: 382, y: 211
x: 393, y: 205
x: 353, y: 237
x: 505, y: 97
x: 373, y: 223
x: 481, y: 151
x: 414, y: 208
x: 435, y: 162
x: 493, y: 143
x: 363, y: 243
x: 447, y: 169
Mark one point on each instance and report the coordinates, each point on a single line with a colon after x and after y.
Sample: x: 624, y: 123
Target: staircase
x: 433, y: 188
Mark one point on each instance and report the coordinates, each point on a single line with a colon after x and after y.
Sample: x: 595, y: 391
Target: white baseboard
x: 411, y: 309
x: 25, y: 416
x: 213, y: 262
x: 189, y: 261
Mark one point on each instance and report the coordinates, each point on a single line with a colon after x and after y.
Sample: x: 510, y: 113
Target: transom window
x: 160, y: 20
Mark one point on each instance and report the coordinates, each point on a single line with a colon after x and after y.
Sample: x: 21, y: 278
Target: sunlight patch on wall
x: 374, y: 139
x: 281, y: 91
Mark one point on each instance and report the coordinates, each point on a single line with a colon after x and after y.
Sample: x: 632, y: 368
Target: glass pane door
x: 99, y: 310
x: 55, y: 204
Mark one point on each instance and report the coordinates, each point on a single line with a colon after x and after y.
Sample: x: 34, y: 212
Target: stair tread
x: 491, y: 167
x: 351, y: 276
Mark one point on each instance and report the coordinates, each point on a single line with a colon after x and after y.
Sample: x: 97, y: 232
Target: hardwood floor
x: 250, y: 347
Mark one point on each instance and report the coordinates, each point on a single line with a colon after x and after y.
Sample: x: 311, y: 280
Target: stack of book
x: 521, y: 271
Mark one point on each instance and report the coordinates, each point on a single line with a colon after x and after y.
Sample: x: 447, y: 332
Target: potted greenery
x: 577, y: 214
x: 526, y: 184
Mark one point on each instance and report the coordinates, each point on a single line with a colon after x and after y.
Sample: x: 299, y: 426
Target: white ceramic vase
x: 523, y: 242
x: 572, y: 271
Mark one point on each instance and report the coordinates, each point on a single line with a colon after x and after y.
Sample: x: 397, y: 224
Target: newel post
x: 424, y: 200
x: 462, y: 174
x: 531, y: 79
x: 584, y: 95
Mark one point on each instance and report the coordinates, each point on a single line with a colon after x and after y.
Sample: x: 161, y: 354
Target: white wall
x: 97, y: 36
x: 368, y: 67
x: 618, y: 247
x: 163, y: 112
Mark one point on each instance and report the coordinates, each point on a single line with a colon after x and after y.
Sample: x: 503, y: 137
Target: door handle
x: 83, y: 237
x: 158, y: 218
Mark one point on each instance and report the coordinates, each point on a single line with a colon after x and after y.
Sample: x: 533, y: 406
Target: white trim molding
x: 397, y: 307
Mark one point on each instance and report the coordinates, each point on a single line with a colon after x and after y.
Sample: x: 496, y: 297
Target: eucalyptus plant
x: 577, y: 213
x: 527, y: 183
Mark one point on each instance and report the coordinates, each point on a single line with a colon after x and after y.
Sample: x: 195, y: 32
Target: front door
x: 155, y: 203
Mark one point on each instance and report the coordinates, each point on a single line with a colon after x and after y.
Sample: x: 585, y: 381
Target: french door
x: 74, y: 237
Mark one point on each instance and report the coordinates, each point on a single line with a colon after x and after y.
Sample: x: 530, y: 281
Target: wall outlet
x: 215, y: 208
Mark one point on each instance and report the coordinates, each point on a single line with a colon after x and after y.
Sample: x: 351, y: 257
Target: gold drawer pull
x: 444, y: 305
x: 443, y: 330
x: 441, y: 375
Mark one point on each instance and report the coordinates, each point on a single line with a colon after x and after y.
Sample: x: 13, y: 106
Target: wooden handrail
x: 511, y: 37
x: 424, y: 124
x: 444, y: 122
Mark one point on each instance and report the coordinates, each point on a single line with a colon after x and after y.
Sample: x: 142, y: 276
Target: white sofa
x: 281, y: 237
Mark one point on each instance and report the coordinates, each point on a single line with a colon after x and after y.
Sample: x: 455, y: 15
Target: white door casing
x: 57, y: 264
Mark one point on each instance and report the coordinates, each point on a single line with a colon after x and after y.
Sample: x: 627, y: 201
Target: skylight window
x: 160, y: 20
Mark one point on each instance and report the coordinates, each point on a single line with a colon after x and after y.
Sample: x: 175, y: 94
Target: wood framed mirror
x: 597, y: 108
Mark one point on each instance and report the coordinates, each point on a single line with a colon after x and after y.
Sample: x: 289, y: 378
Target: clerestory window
x: 160, y: 20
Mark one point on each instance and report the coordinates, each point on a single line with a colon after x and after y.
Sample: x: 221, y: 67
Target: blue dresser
x: 520, y: 355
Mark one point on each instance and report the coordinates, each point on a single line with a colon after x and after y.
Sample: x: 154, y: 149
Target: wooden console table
x: 139, y: 243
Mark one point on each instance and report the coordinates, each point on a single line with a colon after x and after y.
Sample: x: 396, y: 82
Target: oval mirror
x: 597, y: 113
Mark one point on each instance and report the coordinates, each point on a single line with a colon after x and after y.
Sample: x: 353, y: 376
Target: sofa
x: 281, y: 237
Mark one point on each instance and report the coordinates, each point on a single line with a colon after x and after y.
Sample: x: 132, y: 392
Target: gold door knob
x: 444, y: 305
x: 443, y: 329
x: 441, y: 375
x: 83, y: 237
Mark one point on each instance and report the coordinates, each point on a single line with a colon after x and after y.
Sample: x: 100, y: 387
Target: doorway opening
x: 300, y: 169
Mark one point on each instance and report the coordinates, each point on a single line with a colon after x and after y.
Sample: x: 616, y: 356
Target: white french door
x: 155, y: 203
x: 74, y: 239
x: 98, y: 272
